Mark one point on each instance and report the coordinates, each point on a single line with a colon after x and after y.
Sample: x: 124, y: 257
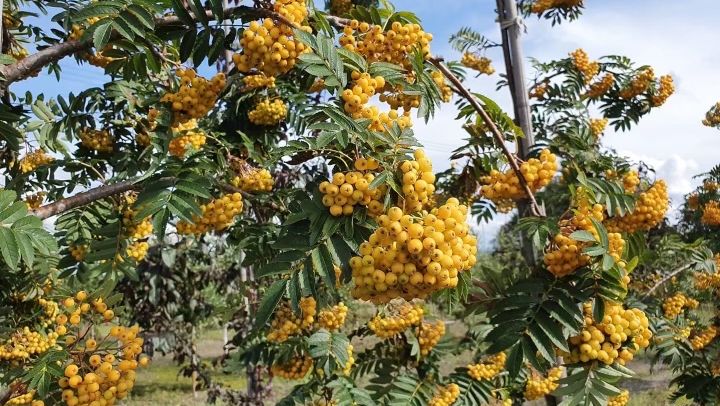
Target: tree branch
x: 499, y: 139
x: 81, y: 199
x: 665, y: 279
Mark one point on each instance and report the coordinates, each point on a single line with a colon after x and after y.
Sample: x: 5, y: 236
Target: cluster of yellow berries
x: 403, y: 316
x: 78, y: 252
x: 704, y: 281
x: 479, y: 63
x: 538, y: 91
x: 295, y: 369
x: 703, y: 338
x: 393, y: 46
x: 137, y: 250
x: 34, y: 160
x: 540, y: 6
x: 78, y: 30
x: 258, y: 81
x: 411, y: 257
x: 26, y: 399
x: 488, y: 368
x: 35, y: 200
x: 711, y: 214
x: 217, y: 215
x: 398, y: 100
x: 582, y: 63
x: 96, y: 140
x: 620, y: 400
x: 538, y: 386
x: 429, y: 334
x: 285, y: 323
x: 135, y: 230
x: 600, y: 87
x: 693, y: 201
x: 349, y: 189
x: 340, y: 7
x: 664, y: 91
x: 649, y: 211
x: 347, y: 368
x: 268, y: 113
x: 187, y: 136
x: 445, y: 396
x: 254, y: 180
x: 317, y: 86
x: 712, y: 117
x: 683, y: 333
x: 25, y: 343
x: 445, y: 89
x: 616, y: 246
x: 639, y: 84
x: 332, y: 319
x: 616, y: 338
x: 710, y: 186
x: 196, y: 95
x: 418, y: 182
x: 141, y: 136
x: 565, y: 254
x: 362, y: 88
x: 597, y: 126
x: 631, y: 181
x: 99, y: 59
x: 503, y: 186
x: 269, y: 47
x: 674, y: 305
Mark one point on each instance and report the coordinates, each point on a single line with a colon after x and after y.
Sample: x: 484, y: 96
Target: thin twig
x: 665, y: 279
x: 499, y: 139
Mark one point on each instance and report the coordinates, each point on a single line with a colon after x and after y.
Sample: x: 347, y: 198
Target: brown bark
x: 81, y: 199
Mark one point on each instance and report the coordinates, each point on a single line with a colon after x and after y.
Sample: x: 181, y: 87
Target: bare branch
x: 665, y: 279
x: 81, y: 199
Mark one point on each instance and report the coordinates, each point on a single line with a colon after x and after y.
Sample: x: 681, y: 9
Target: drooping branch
x: 665, y: 279
x: 499, y: 138
x: 81, y: 199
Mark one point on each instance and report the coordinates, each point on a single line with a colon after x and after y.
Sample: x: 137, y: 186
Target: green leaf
x: 269, y: 301
x: 9, y: 248
x: 199, y: 11
x: 273, y: 268
x: 101, y: 35
x: 142, y: 15
x: 187, y: 44
x: 583, y: 236
x: 323, y: 265
x: 183, y: 14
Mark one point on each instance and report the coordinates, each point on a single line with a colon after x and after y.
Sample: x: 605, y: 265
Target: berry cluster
x: 429, y: 334
x: 347, y: 368
x: 638, y: 84
x: 664, y: 91
x: 712, y: 117
x: 96, y: 140
x: 705, y: 281
x: 103, y: 369
x: 317, y: 86
x: 489, y: 368
x: 286, y: 323
x: 363, y: 87
x: 78, y: 252
x: 380, y: 121
x: 479, y: 63
x: 77, y: 30
x: 401, y: 100
x: 403, y: 316
x: 393, y: 46
x: 538, y: 91
x: 600, y: 87
x: 187, y: 137
x: 582, y: 63
x: 411, y: 257
x: 270, y: 47
x: 137, y: 250
x: 99, y: 59
x: 537, y: 386
x: 349, y: 189
x: 710, y: 186
x: 34, y: 160
x: 418, y: 182
x: 25, y: 343
x: 617, y: 337
x: 502, y: 186
x: 711, y: 214
x: 134, y: 229
x: 26, y: 399
x: 254, y: 180
x: 540, y: 6
x: 258, y: 81
x: 196, y: 95
x: 620, y: 400
x: 446, y: 91
x: 332, y: 319
x: 268, y: 113
x: 295, y: 369
x: 631, y: 181
x: 217, y: 215
x: 445, y: 396
x: 649, y: 211
x: 674, y: 305
x: 597, y: 126
x: 701, y: 339
x: 35, y: 200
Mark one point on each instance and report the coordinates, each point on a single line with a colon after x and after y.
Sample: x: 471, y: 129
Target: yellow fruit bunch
x: 258, y: 81
x: 359, y: 92
x: 400, y: 317
x: 620, y: 400
x: 418, y: 182
x: 597, y: 126
x: 446, y: 91
x: 349, y: 189
x: 380, y: 121
x: 255, y: 180
x: 445, y: 396
x: 293, y: 370
x: 25, y: 343
x: 25, y: 399
x: 333, y: 318
x: 78, y: 30
x: 412, y: 257
x: 429, y: 334
x: 582, y: 63
x: 187, y: 137
x: 137, y: 250
x: 538, y: 172
x: 674, y: 305
x: 286, y: 323
x: 705, y: 281
x: 600, y: 87
x: 711, y: 214
x: 631, y: 181
x: 35, y: 200
x: 479, y: 63
x: 96, y: 140
x: 394, y: 46
x: 34, y: 160
x: 347, y: 368
x: 540, y: 6
x: 489, y: 368
x: 665, y: 89
x: 537, y: 386
x: 400, y: 100
x: 701, y: 339
x: 196, y: 95
x: 134, y: 229
x: 712, y: 117
x: 268, y: 113
x: 271, y: 47
x: 538, y: 91
x: 78, y: 252
x: 693, y: 201
x: 639, y: 84
x: 217, y: 215
x: 615, y: 338
x: 103, y: 366
x: 99, y: 59
x: 649, y: 211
